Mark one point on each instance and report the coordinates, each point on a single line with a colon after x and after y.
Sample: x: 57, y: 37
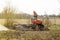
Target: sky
x: 42, y: 7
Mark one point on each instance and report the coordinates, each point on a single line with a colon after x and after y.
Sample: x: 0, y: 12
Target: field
x: 28, y: 21
x: 29, y: 35
x: 54, y: 27
x: 52, y: 34
x: 55, y: 21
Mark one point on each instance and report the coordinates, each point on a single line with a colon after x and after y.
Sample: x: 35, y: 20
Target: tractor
x: 38, y: 23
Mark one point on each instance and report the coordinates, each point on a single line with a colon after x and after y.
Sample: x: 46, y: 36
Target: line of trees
x: 9, y: 13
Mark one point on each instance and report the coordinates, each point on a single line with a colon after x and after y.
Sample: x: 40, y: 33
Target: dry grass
x: 28, y: 21
x: 55, y: 21
x: 2, y: 21
x: 30, y: 35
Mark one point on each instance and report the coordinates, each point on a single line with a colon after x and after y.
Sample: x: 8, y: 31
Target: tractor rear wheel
x: 41, y: 27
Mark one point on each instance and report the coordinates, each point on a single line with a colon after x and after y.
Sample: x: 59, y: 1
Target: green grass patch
x: 54, y: 27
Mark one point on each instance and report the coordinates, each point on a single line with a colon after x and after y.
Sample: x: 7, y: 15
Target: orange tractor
x: 37, y: 22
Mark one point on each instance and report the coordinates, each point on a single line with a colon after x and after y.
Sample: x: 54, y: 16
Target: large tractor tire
x: 41, y: 27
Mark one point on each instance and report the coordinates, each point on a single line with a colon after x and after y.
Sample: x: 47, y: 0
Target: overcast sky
x: 28, y: 6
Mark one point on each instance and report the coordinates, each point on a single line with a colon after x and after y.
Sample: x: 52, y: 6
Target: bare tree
x: 9, y: 16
